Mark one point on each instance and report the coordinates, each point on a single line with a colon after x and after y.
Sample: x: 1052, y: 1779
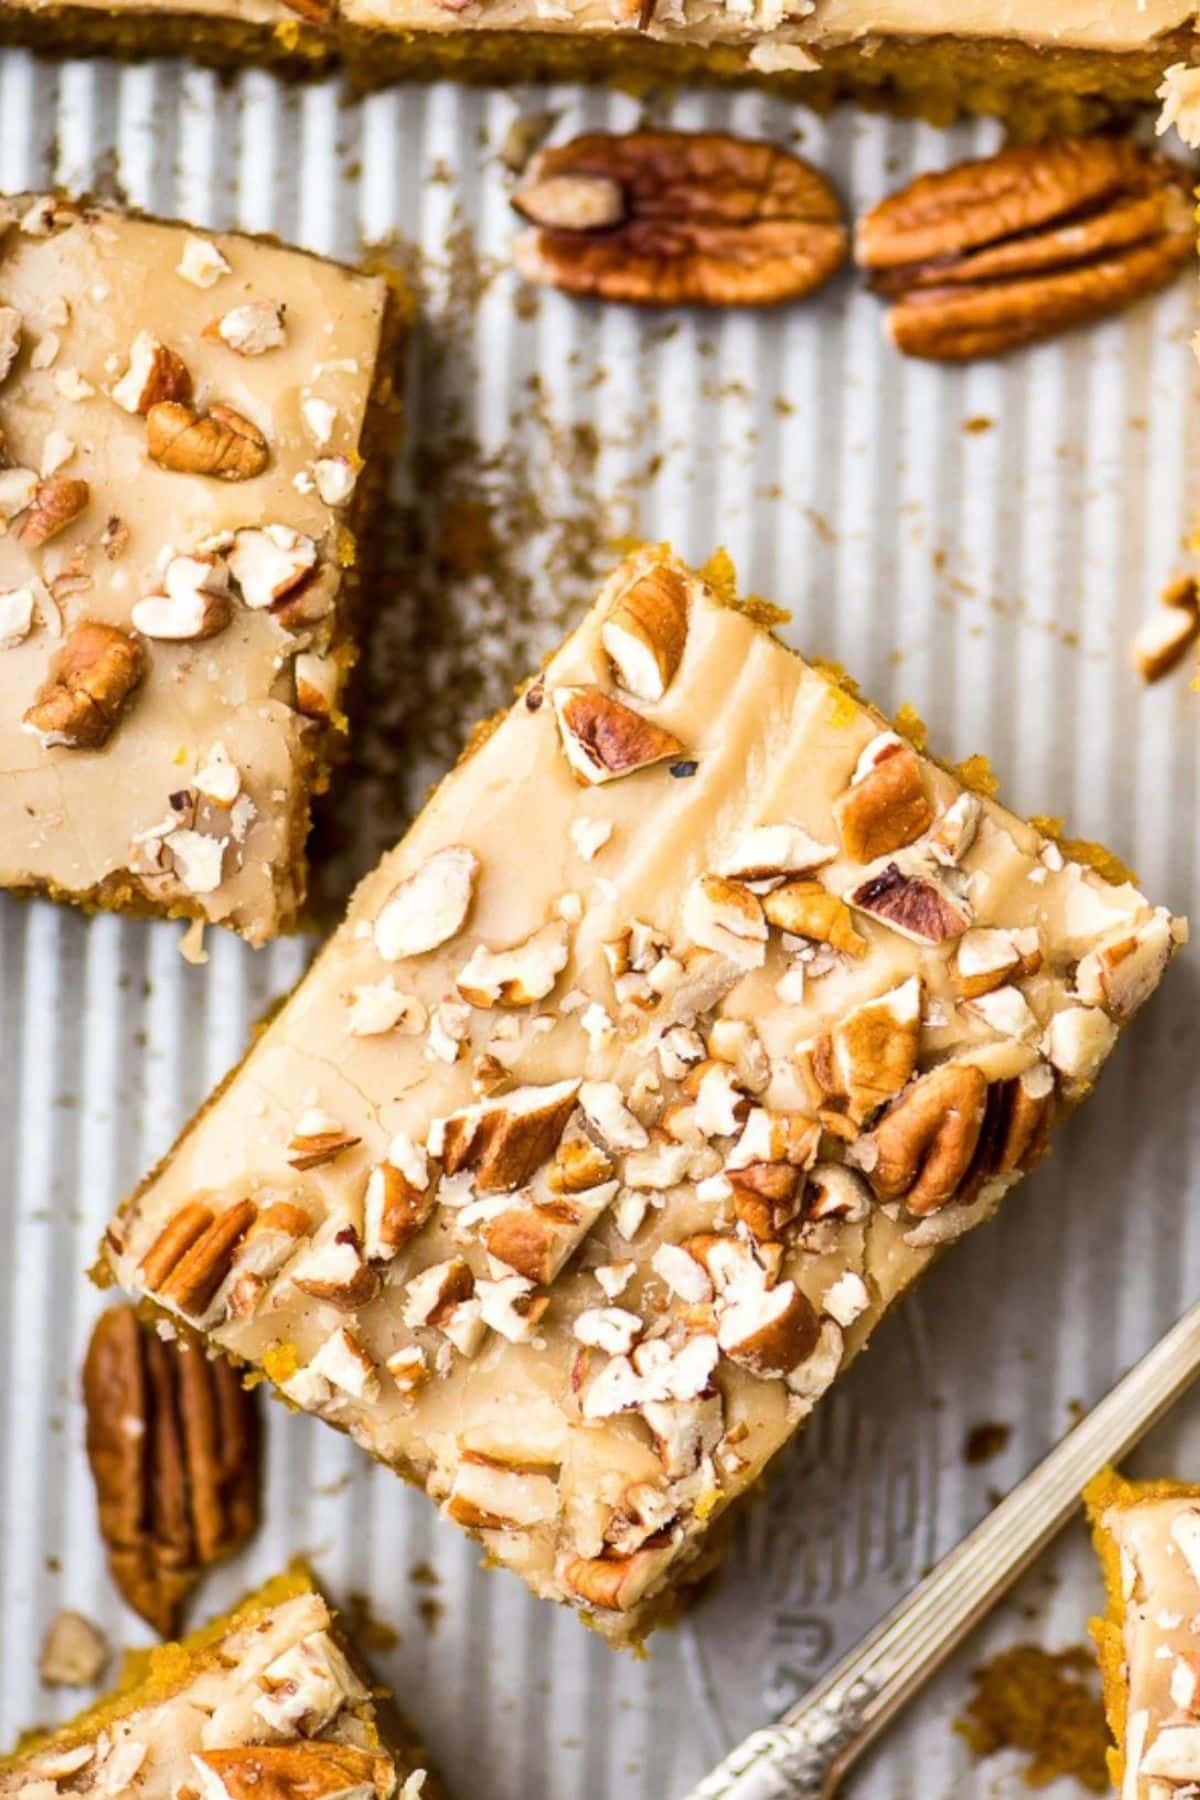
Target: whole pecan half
x: 193, y: 1253
x: 1015, y: 1133
x: 304, y: 1771
x: 220, y: 442
x: 88, y: 687
x: 992, y: 254
x: 172, y: 1439
x: 674, y: 218
x: 925, y: 1141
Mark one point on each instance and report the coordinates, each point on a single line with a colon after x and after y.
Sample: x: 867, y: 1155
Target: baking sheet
x: 979, y: 543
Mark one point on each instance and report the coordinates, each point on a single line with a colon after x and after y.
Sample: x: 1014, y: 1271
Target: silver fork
x: 805, y: 1754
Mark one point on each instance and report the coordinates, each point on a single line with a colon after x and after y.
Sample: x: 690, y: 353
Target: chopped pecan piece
x: 251, y: 329
x: 429, y: 906
x: 194, y: 602
x: 90, y: 682
x: 172, y: 1440
x: 769, y: 852
x: 10, y: 339
x: 1015, y: 1133
x: 318, y: 1139
x: 988, y: 957
x: 992, y: 254
x: 335, y: 1269
x: 398, y: 1200
x: 604, y: 739
x: 194, y: 1252
x: 519, y: 975
x: 490, y: 1495
x: 886, y: 808
x: 924, y: 1143
x: 578, y: 1165
x: 770, y: 1332
x: 1123, y: 970
x: 873, y: 1049
x: 728, y: 917
x: 312, y: 1770
x: 646, y: 631
x: 766, y: 1198
x: 155, y: 374
x: 616, y: 1583
x: 506, y: 1140
x: 75, y: 1652
x: 672, y: 218
x: 220, y: 442
x: 56, y: 503
x: 916, y: 905
x: 537, y: 1239
x: 807, y: 909
x: 1160, y: 644
x: 270, y: 563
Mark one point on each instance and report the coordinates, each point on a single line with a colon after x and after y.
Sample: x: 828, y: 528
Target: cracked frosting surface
x: 189, y: 791
x: 273, y: 1705
x: 694, y: 1014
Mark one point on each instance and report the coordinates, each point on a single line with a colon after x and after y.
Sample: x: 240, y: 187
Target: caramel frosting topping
x: 182, y: 415
x: 273, y: 1706
x: 1159, y: 1543
x: 693, y: 1016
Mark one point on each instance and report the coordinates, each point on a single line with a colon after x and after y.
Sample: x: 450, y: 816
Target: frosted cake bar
x: 695, y: 1014
x: 265, y: 1704
x: 192, y: 427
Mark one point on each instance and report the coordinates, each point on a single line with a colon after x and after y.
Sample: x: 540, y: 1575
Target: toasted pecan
x: 1014, y: 247
x: 172, y: 1439
x: 311, y: 1770
x: 671, y: 218
x: 925, y: 1142
x: 88, y: 688
x: 57, y: 503
x: 219, y: 443
x: 193, y: 1253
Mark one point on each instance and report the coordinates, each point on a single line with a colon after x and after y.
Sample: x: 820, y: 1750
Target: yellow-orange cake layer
x: 1034, y: 63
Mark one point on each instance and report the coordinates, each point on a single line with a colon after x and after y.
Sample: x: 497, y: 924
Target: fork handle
x: 806, y: 1752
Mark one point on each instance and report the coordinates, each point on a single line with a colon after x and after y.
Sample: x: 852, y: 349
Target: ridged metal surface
x: 990, y: 577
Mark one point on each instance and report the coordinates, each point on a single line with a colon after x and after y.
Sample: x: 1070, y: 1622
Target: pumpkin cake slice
x: 1147, y: 1535
x: 1056, y: 63
x: 265, y: 1701
x: 291, y: 36
x: 194, y: 427
x: 1063, y: 63
x: 695, y: 1014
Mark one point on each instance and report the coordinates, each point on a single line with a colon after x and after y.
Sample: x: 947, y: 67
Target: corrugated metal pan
x: 990, y: 576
